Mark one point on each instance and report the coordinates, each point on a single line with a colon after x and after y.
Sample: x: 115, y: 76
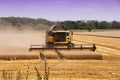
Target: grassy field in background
x: 96, y: 30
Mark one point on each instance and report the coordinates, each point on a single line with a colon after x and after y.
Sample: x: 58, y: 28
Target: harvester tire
x: 70, y: 45
x: 50, y: 45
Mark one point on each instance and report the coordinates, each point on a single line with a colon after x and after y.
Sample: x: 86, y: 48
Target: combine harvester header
x: 59, y: 44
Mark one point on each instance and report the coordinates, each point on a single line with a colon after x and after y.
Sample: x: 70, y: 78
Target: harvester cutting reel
x: 42, y: 48
x: 82, y: 51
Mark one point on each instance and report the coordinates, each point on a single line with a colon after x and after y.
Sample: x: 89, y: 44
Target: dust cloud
x: 18, y: 42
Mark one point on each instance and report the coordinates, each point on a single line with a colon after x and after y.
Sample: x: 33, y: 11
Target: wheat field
x: 18, y: 43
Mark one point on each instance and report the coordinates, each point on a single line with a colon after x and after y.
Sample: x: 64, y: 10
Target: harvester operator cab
x: 61, y: 38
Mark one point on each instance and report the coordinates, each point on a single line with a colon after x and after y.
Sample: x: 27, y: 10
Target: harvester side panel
x: 49, y: 38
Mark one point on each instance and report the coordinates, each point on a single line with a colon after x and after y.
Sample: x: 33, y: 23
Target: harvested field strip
x: 73, y: 55
x: 108, y: 47
x: 99, y: 44
x: 99, y: 35
x: 101, y: 41
x: 112, y: 34
x: 18, y: 57
x: 108, y: 53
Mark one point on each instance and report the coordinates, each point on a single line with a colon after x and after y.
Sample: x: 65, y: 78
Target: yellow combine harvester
x: 59, y: 39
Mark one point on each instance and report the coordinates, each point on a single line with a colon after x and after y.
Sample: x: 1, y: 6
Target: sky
x: 61, y: 10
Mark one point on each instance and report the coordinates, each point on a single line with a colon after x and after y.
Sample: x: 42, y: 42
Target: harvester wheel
x: 50, y: 45
x: 70, y: 45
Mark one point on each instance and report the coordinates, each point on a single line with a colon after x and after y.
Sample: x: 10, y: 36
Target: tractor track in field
x: 105, y: 46
x: 99, y: 35
x: 108, y: 46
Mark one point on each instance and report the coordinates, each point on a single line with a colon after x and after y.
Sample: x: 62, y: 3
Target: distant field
x: 108, y: 46
x: 104, y: 33
x: 16, y: 43
x: 97, y: 30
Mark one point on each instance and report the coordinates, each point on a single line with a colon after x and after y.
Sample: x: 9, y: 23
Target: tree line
x: 38, y: 24
x: 21, y: 23
x: 91, y: 24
